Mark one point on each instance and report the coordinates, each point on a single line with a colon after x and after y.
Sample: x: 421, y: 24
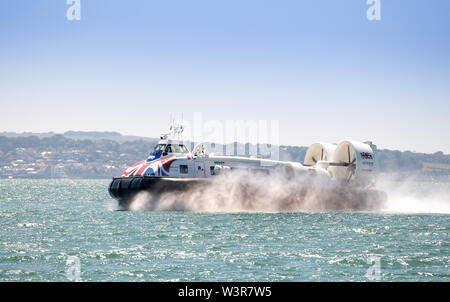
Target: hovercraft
x: 346, y: 172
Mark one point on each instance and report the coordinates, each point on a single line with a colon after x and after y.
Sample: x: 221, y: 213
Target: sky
x: 319, y: 67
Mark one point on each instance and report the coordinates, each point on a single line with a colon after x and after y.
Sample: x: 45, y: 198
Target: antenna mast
x: 175, y: 132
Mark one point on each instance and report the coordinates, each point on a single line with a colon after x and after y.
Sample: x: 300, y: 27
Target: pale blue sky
x: 318, y: 66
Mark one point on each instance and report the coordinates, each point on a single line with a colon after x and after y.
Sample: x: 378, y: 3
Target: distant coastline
x: 78, y: 154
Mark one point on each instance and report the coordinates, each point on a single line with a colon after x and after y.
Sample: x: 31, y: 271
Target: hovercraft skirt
x: 124, y: 188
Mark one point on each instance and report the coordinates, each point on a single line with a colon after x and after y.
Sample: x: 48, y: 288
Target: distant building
x: 57, y: 172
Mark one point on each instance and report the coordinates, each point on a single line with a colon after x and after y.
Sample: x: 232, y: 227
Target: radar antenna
x: 175, y: 131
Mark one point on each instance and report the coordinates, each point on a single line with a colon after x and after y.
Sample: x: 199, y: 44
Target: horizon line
x: 158, y: 138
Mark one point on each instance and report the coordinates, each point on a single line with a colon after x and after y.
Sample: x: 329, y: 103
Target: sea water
x: 71, y: 230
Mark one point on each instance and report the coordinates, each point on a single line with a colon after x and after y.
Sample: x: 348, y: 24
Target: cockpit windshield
x: 171, y: 148
x: 160, y: 148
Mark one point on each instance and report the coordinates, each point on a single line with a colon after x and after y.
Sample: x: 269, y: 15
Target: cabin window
x: 174, y: 148
x: 183, y: 149
x: 183, y: 169
x: 160, y: 148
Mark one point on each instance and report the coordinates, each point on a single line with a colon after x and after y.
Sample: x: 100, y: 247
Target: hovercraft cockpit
x: 166, y: 148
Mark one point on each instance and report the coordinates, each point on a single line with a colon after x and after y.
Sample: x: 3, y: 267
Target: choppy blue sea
x: 65, y: 230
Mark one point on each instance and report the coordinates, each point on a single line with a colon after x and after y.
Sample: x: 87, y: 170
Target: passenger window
x: 183, y: 169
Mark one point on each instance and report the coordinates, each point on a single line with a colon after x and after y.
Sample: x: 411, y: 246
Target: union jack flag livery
x: 155, y: 168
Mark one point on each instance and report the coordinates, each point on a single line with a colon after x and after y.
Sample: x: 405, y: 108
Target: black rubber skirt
x: 124, y: 188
